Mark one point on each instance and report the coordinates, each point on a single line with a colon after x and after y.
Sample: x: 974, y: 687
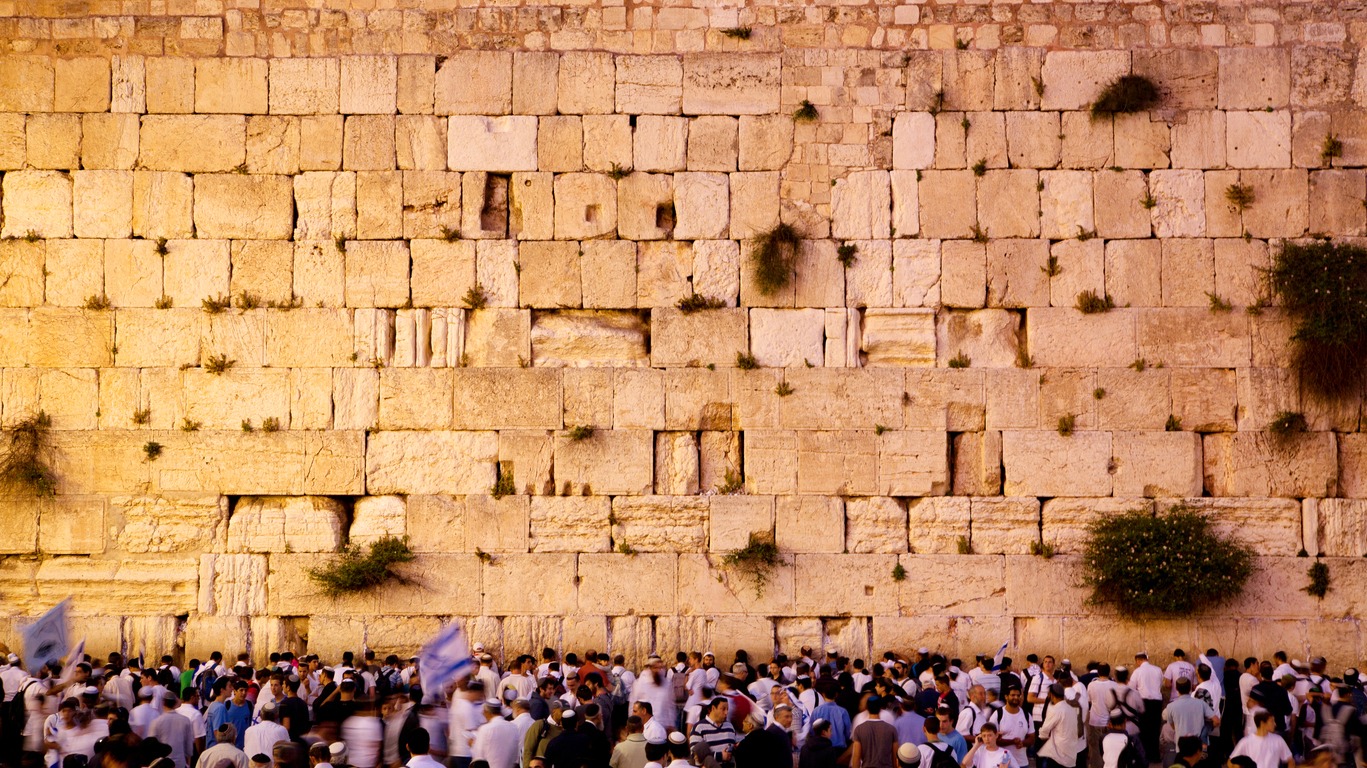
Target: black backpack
x: 1130, y: 756
x: 18, y: 711
x: 942, y: 758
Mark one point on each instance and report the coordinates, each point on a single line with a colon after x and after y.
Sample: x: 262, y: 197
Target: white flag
x: 45, y: 640
x: 1001, y: 653
x: 444, y: 659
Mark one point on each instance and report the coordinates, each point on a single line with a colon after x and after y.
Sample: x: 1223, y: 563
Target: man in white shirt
x: 1265, y: 748
x: 140, y: 719
x: 652, y: 729
x: 465, y: 721
x: 1178, y: 669
x: 973, y: 714
x: 260, y: 739
x: 1041, y: 680
x: 496, y: 742
x: 1014, y: 730
x: 1147, y: 678
x: 418, y: 746
x: 1100, y: 690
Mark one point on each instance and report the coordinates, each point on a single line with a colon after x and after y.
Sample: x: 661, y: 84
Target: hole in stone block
x: 664, y: 218
x: 590, y: 214
x: 868, y: 591
x: 493, y: 217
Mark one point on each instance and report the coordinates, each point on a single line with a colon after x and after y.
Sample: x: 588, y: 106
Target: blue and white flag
x: 45, y: 640
x: 1216, y: 675
x: 445, y: 659
x: 1001, y: 653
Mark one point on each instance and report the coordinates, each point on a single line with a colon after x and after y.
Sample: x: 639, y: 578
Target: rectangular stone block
x: 570, y: 524
x: 218, y: 144
x: 1159, y: 464
x: 660, y: 523
x: 431, y: 462
x: 584, y: 84
x: 368, y: 85
x: 730, y: 83
x: 236, y: 86
x: 304, y: 86
x: 1249, y: 464
x: 1048, y: 464
x: 611, y: 462
x: 1064, y: 336
x: 860, y: 583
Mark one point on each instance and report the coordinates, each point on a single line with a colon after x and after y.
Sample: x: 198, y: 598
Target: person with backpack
x: 1120, y: 748
x: 936, y: 752
x: 1061, y: 731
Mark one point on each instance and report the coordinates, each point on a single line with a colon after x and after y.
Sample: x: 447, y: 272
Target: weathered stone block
x: 219, y: 143
x: 578, y: 339
x: 1258, y: 139
x: 1064, y: 336
x: 431, y: 462
x: 713, y: 337
x: 585, y: 83
x: 269, y: 524
x: 37, y: 203
x: 898, y: 337
x: 1049, y: 464
x: 875, y: 524
x: 1248, y: 464
x: 1153, y: 464
x: 304, y: 86
x: 570, y: 524
x: 499, y: 144
x: 781, y: 338
x: 1254, y: 78
x: 612, y: 462
x: 661, y: 523
x: 242, y: 206
x: 701, y: 205
x: 1073, y: 79
x: 730, y: 83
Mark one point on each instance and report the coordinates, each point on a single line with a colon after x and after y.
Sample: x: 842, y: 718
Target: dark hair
x: 1188, y: 746
x: 932, y: 725
x: 1183, y: 685
x: 874, y: 705
x: 645, y: 707
x: 656, y: 751
x: 418, y: 741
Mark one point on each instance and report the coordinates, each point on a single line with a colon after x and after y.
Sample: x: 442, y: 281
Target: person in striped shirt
x: 715, y: 730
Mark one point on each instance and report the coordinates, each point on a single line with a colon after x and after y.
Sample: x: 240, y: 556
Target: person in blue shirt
x: 948, y: 735
x: 239, y: 711
x: 832, y: 713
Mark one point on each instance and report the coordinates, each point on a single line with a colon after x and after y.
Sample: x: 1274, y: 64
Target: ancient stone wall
x: 350, y: 176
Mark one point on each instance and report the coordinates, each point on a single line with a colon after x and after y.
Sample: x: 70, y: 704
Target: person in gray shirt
x: 176, y: 731
x: 1187, y: 714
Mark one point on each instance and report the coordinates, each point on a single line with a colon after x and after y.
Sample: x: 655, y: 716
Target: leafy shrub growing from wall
x: 773, y: 256
x: 1323, y: 286
x: 356, y: 570
x: 1164, y: 564
x: 756, y: 560
x: 24, y: 456
x: 1128, y: 93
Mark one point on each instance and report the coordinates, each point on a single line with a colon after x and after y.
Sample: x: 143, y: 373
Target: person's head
x: 942, y: 717
x: 709, y: 660
x: 908, y: 756
x: 932, y: 727
x: 1264, y: 722
x: 874, y: 705
x: 269, y: 712
x: 643, y: 710
x: 285, y: 754
x: 338, y: 752
x: 239, y: 693
x: 546, y: 688
x: 942, y: 683
x: 718, y: 709
x: 988, y: 735
x: 418, y: 742
x: 1183, y: 686
x: 319, y: 753
x: 1122, y: 675
x: 977, y: 694
x: 821, y: 728
x: 1203, y: 672
x: 783, y: 715
x: 1047, y: 664
x: 1265, y: 670
x: 1180, y: 654
x: 634, y: 725
x: 1250, y: 663
x: 492, y: 710
x: 753, y: 722
x: 1189, y: 749
x: 226, y: 734
x: 1014, y: 698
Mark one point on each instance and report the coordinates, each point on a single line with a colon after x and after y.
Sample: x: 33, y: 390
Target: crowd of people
x: 818, y: 710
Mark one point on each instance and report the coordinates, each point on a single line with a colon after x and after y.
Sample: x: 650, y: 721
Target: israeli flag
x: 45, y: 640
x: 445, y: 659
x: 1001, y: 653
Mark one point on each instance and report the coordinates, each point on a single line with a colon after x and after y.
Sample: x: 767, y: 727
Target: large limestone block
x: 275, y: 524
x: 1352, y: 461
x: 368, y: 143
x: 649, y: 592
x: 581, y: 339
x: 842, y: 399
x: 27, y: 83
x: 1065, y: 522
x: 242, y: 206
x: 1258, y: 139
x: 1339, y: 527
x: 518, y: 584
x: 232, y: 585
x: 369, y: 84
x: 875, y: 524
x: 420, y: 142
x: 173, y: 523
x: 1249, y: 464
x: 838, y: 462
x: 1195, y: 337
x: 304, y: 86
x: 766, y: 142
x: 1007, y: 203
x: 913, y: 463
x: 898, y: 337
x: 730, y: 83
x: 963, y: 273
x: 707, y: 586
x: 913, y: 140
x: 1016, y: 275
x: 19, y: 527
x: 662, y: 272
x: 833, y: 585
x: 234, y: 85
x: 860, y: 206
x: 702, y: 205
x: 733, y: 518
x: 1066, y: 204
x: 649, y: 84
x: 979, y: 589
x: 943, y: 213
x: 916, y: 272
x: 809, y: 524
x: 1004, y: 525
x: 36, y: 203
x: 437, y: 523
x: 1270, y: 526
x: 643, y: 203
x: 977, y: 469
x: 1049, y: 464
x: 1073, y: 79
x: 611, y: 462
x: 713, y: 143
x: 770, y: 461
x: 585, y: 83
x: 989, y: 337
x: 503, y: 399
x: 585, y: 206
x: 163, y: 205
x: 64, y: 337
x: 375, y: 517
x: 475, y: 83
x: 137, y: 587
x: 53, y: 141
x: 660, y: 524
x: 72, y: 526
x: 1254, y: 78
x: 1064, y: 336
x: 25, y: 264
x: 273, y: 144
x: 782, y: 338
x: 570, y: 524
x: 273, y: 463
x: 377, y: 273
x: 676, y: 463
x: 713, y: 337
x: 497, y: 338
x: 1157, y: 464
x: 496, y: 144
x: 103, y: 203
x: 1180, y: 207
x: 415, y: 398
x: 219, y: 143
x: 431, y: 462
x: 82, y: 85
x: 660, y: 143
x: 225, y: 401
x: 952, y: 399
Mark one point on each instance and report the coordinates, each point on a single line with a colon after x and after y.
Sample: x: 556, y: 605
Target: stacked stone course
x: 351, y: 176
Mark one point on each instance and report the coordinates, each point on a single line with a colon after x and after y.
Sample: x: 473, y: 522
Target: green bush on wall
x: 1323, y: 286
x: 1164, y: 564
x: 356, y: 570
